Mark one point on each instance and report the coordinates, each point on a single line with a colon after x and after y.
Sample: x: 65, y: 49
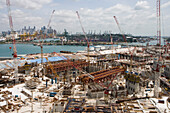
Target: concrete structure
x: 167, y: 71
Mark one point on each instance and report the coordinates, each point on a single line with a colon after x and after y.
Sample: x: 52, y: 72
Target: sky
x: 136, y: 17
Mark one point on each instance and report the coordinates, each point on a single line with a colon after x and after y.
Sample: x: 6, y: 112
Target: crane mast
x: 158, y: 68
x: 159, y: 21
x: 11, y: 27
x: 13, y: 38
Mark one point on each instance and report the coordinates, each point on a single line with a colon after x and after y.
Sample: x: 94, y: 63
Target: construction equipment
x: 121, y: 32
x: 41, y: 43
x: 159, y: 21
x: 13, y: 38
x: 129, y: 76
x: 68, y: 60
x: 85, y: 36
x: 158, y: 68
x: 52, y: 69
x: 50, y: 19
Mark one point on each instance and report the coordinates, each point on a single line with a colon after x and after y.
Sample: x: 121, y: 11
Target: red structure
x: 11, y: 27
x: 67, y: 66
x: 102, y: 76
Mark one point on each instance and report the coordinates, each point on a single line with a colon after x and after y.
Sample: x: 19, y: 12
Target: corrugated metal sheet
x: 50, y: 59
x: 8, y: 64
x: 2, y: 66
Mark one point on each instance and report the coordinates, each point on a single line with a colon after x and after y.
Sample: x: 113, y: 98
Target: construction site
x: 101, y: 79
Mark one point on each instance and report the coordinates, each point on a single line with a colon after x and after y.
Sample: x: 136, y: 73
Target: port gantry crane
x: 14, y: 45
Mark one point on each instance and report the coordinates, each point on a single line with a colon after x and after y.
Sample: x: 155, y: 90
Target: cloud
x: 20, y: 19
x: 142, y: 5
x: 30, y: 4
x: 102, y: 19
x: 165, y: 5
x: 54, y: 4
x: 2, y: 4
x: 132, y: 19
x: 1, y: 7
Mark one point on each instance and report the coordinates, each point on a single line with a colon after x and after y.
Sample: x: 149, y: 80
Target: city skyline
x: 135, y: 17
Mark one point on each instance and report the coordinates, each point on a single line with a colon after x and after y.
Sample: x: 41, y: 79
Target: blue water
x: 30, y: 49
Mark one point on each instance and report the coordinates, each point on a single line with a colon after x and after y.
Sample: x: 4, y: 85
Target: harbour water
x: 5, y: 50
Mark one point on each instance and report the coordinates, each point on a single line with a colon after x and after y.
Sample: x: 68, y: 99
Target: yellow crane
x: 52, y: 68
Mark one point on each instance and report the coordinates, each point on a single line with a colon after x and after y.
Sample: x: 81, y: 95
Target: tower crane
x: 50, y: 19
x: 88, y: 49
x: 131, y: 53
x: 159, y: 21
x: 121, y: 32
x: 14, y: 45
x: 41, y: 43
x: 158, y: 68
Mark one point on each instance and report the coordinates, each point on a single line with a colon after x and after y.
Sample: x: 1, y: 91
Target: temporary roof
x: 7, y: 64
x: 50, y: 59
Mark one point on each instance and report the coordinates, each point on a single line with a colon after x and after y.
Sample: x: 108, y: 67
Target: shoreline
x: 68, y: 43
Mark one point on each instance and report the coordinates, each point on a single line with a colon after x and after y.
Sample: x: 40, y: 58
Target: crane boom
x: 41, y: 44
x: 84, y: 35
x: 50, y: 19
x: 122, y: 33
x: 120, y: 28
x: 130, y: 52
x: 81, y: 25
